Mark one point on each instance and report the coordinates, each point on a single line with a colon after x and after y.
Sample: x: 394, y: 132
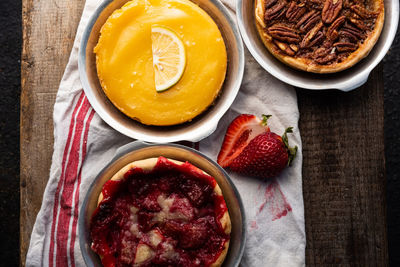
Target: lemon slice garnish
x: 169, y: 58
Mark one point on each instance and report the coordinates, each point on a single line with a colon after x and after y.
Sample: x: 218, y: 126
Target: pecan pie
x: 321, y: 36
x: 161, y: 212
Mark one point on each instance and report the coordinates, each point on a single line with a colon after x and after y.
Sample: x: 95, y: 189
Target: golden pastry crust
x: 148, y: 165
x: 310, y: 65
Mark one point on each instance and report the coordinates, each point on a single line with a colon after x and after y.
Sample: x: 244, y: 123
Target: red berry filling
x: 167, y: 217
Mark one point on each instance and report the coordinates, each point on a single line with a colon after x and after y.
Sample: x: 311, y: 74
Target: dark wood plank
x: 48, y: 32
x: 344, y: 175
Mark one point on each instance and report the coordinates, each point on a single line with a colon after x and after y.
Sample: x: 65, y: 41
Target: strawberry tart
x: 161, y: 212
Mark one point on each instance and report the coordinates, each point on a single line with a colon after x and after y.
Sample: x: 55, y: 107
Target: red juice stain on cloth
x: 274, y: 201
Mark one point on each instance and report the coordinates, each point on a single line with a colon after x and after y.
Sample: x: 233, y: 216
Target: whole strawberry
x: 264, y: 155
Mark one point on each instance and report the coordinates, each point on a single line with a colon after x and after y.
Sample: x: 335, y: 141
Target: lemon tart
x: 161, y: 62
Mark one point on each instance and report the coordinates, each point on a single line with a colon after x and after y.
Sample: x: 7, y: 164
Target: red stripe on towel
x: 60, y: 182
x: 76, y: 202
x: 71, y: 174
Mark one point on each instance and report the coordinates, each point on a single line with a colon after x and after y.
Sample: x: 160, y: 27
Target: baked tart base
x: 320, y: 36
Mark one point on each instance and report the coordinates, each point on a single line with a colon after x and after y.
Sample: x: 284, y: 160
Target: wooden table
x: 342, y: 134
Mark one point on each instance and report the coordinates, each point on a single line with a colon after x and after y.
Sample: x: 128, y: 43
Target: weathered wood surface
x: 344, y: 175
x: 342, y: 133
x: 48, y: 33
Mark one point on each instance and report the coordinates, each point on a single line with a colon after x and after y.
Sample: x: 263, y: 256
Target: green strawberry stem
x: 265, y: 119
x: 292, y: 151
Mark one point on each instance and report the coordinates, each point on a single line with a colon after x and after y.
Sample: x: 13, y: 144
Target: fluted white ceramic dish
x: 195, y: 130
x: 345, y: 80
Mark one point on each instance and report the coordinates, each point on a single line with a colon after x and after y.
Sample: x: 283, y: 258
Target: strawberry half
x: 240, y: 132
x: 265, y: 156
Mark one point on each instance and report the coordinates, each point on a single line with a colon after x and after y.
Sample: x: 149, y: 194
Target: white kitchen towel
x: 83, y: 144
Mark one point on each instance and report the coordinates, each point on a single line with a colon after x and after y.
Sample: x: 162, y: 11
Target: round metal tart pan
x: 195, y: 130
x: 139, y: 150
x: 345, y: 80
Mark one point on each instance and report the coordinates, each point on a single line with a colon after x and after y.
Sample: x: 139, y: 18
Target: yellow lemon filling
x: 125, y: 67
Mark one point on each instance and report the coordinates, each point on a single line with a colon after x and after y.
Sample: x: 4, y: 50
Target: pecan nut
x: 309, y: 40
x: 326, y: 59
x: 286, y: 48
x: 345, y: 46
x: 324, y: 55
x: 270, y: 3
x: 358, y: 23
x: 348, y: 3
x: 294, y: 47
x: 332, y: 32
x: 318, y: 38
x: 331, y: 10
x: 363, y: 12
x: 315, y: 4
x: 308, y: 21
x: 295, y: 11
x: 351, y: 33
x: 284, y: 33
x: 275, y: 11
